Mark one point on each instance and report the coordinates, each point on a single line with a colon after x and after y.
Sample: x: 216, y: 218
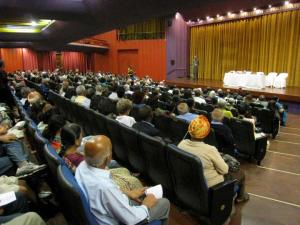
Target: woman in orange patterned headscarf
x: 214, y: 167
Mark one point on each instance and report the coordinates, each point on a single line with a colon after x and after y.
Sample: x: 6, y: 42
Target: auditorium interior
x: 150, y: 112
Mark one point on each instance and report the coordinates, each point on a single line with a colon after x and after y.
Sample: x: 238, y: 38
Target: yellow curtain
x: 270, y: 43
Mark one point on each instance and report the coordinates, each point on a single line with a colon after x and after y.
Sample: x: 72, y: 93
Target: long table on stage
x: 245, y: 80
x: 289, y: 94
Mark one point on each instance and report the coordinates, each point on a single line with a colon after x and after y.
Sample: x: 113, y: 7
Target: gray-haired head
x: 80, y: 90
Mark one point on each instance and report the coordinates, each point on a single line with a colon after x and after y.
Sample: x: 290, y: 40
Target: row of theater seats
x: 72, y: 200
x: 180, y: 173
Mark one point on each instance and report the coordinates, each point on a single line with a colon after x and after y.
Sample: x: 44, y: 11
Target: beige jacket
x: 213, y: 165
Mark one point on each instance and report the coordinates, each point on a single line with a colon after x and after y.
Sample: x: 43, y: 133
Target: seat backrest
x: 119, y: 149
x: 188, y: 180
x: 134, y: 153
x: 39, y: 142
x: 163, y: 123
x: 178, y: 129
x: 76, y: 205
x: 52, y: 158
x: 243, y: 133
x: 154, y: 152
x: 100, y: 123
x: 211, y: 139
x: 135, y: 113
x: 107, y: 106
x: 206, y: 107
x: 268, y: 121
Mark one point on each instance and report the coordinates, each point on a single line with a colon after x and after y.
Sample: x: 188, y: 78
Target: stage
x: 289, y: 94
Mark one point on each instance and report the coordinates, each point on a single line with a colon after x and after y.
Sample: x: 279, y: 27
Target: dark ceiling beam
x: 20, y: 44
x: 43, y: 9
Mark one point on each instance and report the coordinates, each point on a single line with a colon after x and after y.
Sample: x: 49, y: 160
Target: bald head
x: 97, y: 151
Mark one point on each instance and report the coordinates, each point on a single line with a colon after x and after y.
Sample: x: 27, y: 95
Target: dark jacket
x: 146, y: 128
x: 224, y: 137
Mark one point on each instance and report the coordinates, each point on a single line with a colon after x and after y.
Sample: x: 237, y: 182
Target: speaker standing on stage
x: 195, y: 67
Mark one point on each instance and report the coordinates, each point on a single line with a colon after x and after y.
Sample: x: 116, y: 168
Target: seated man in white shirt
x: 198, y: 96
x: 81, y: 99
x: 107, y: 203
x: 124, y: 107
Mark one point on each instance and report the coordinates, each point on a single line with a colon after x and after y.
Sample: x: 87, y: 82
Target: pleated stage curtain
x: 13, y: 58
x: 30, y: 61
x: 74, y: 60
x: 269, y: 43
x: 47, y: 61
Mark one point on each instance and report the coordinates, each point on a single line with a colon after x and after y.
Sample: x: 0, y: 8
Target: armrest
x: 263, y: 136
x: 221, y: 200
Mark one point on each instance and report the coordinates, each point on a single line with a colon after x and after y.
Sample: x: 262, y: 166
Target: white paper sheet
x: 7, y: 198
x: 157, y: 191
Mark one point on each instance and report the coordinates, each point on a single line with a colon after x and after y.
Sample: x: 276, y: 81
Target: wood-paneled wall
x: 151, y: 56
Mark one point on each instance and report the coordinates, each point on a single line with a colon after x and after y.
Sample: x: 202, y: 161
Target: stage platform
x: 289, y: 94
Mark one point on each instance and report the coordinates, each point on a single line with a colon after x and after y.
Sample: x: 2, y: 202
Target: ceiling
x: 222, y: 7
x: 77, y: 19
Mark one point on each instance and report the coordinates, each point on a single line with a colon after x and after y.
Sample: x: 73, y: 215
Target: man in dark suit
x: 223, y: 133
x: 145, y: 114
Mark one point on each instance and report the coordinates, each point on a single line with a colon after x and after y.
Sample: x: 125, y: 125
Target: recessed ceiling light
x: 33, y: 23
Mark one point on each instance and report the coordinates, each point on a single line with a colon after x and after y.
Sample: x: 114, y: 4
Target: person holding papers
x: 108, y: 204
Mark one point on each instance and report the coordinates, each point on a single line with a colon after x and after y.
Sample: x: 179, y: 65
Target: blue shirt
x: 108, y: 204
x: 188, y: 116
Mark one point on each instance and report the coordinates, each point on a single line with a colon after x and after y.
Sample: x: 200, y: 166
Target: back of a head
x: 55, y: 123
x: 187, y: 94
x: 221, y: 103
x: 217, y: 115
x: 212, y: 94
x: 123, y: 106
x: 145, y: 113
x: 197, y: 93
x: 97, y: 150
x: 262, y: 98
x: 90, y: 92
x: 190, y: 102
x: 120, y: 91
x: 182, y: 108
x: 138, y: 97
x: 69, y: 134
x: 80, y: 90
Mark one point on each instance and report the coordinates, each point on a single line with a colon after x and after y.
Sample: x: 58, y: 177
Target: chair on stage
x: 270, y: 79
x: 280, y: 80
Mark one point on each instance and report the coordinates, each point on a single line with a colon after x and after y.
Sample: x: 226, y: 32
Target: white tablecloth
x: 245, y: 80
